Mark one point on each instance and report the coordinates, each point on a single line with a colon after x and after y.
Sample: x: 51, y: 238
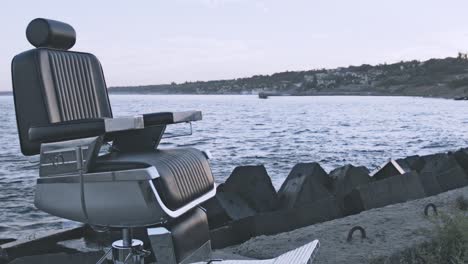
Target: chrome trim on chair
x: 207, y: 154
x: 149, y: 173
x: 124, y: 123
x: 182, y: 210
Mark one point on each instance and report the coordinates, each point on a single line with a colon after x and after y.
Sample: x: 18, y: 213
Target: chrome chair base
x: 126, y: 251
x: 128, y: 254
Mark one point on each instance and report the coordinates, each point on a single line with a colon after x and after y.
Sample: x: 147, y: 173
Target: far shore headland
x: 440, y: 78
x: 444, y: 78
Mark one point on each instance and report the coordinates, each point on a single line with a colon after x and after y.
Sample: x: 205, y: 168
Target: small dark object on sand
x: 430, y: 205
x: 351, y: 232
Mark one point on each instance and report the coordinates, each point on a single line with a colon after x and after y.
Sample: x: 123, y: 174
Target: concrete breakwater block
x: 388, y: 169
x: 306, y: 183
x: 215, y: 213
x: 253, y: 185
x: 410, y: 163
x: 461, y: 156
x: 364, y: 168
x: 234, y: 206
x: 347, y: 178
x: 429, y: 183
x: 449, y: 174
x: 464, y: 150
x: 226, y: 207
x: 396, y: 189
x: 275, y: 222
x: 286, y: 220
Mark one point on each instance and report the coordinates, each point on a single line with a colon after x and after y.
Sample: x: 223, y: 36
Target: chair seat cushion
x: 185, y: 173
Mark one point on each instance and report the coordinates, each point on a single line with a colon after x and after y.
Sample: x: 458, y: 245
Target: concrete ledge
x: 282, y: 221
x: 275, y: 222
x: 46, y: 243
x: 392, y: 190
x: 6, y: 240
x: 61, y: 258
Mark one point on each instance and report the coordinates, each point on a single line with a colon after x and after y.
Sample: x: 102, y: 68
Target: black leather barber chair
x: 64, y: 114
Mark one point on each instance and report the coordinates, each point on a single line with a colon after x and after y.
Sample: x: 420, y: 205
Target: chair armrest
x: 153, y: 119
x: 167, y: 118
x: 67, y: 130
x: 75, y: 129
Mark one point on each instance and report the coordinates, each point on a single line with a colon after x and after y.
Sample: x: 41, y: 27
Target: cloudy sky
x: 153, y: 42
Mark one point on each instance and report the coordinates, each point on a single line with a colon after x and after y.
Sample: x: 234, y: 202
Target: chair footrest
x: 184, y: 241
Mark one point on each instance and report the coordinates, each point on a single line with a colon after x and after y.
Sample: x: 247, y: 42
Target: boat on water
x: 265, y: 95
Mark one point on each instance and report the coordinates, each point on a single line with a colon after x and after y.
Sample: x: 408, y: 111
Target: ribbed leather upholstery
x: 185, y: 173
x: 189, y: 171
x: 53, y: 86
x: 75, y: 85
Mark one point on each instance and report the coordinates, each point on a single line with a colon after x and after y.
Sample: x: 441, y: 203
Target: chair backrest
x: 52, y: 84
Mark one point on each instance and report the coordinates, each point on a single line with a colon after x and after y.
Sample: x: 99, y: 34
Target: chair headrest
x: 49, y: 33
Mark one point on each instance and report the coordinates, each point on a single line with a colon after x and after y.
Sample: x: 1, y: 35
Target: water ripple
x: 243, y: 130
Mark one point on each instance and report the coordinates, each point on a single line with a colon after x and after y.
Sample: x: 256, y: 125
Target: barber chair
x: 63, y: 113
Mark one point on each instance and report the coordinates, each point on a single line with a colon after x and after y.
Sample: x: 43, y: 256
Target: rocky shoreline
x: 248, y: 218
x: 247, y: 205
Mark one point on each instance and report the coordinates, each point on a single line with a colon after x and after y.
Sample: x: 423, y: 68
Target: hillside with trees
x: 433, y: 78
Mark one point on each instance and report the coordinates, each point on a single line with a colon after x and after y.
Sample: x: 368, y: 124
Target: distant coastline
x: 443, y: 78
x: 440, y: 78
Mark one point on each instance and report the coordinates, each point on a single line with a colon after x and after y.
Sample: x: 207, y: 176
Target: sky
x: 156, y: 42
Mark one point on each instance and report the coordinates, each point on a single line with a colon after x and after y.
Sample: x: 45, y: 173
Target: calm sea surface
x: 244, y: 130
